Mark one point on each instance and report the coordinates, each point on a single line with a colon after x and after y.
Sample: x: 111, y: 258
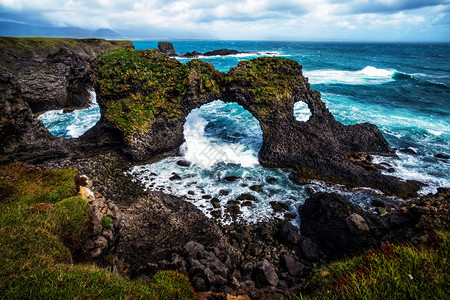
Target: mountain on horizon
x: 27, y: 30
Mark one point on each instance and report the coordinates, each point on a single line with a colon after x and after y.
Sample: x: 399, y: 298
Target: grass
x: 393, y: 272
x: 24, y: 45
x: 39, y: 212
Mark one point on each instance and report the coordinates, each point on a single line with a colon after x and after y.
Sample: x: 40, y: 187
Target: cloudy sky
x: 342, y: 20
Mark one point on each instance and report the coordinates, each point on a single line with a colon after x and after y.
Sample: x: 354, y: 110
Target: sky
x: 304, y: 20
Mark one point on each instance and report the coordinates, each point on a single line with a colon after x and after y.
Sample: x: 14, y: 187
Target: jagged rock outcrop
x: 38, y: 74
x: 219, y: 52
x: 167, y: 48
x: 341, y: 228
x: 145, y: 98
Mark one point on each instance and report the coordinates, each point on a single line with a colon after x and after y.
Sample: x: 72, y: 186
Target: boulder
x: 264, y: 274
x: 337, y: 226
x: 167, y: 48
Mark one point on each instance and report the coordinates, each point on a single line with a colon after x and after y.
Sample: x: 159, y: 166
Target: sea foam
x: 368, y: 75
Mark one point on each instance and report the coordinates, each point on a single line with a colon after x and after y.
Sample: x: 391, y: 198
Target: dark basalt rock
x: 167, y: 48
x: 339, y: 227
x: 220, y: 52
x: 37, y: 75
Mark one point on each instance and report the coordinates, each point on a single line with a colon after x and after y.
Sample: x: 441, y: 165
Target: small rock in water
x: 206, y: 197
x: 246, y: 196
x: 231, y: 178
x: 256, y: 188
x: 289, y: 216
x: 391, y: 170
x: 271, y: 180
x: 278, y: 206
x: 175, y: 176
x: 233, y: 207
x: 378, y: 203
x: 224, y: 193
x: 408, y: 151
x: 191, y: 192
x: 247, y: 203
x: 442, y: 156
x: 310, y: 191
x: 215, y: 202
x: 380, y: 210
x: 183, y: 163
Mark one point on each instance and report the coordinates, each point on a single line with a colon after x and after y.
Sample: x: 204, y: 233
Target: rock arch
x: 145, y: 97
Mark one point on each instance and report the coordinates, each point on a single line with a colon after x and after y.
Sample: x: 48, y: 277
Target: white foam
x: 207, y: 152
x: 301, y: 111
x: 72, y: 124
x: 368, y: 75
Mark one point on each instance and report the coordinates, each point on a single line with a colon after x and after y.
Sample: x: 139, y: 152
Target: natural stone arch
x: 145, y: 97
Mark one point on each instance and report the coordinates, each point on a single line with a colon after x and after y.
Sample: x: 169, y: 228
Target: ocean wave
x: 208, y: 151
x: 72, y: 124
x: 368, y: 75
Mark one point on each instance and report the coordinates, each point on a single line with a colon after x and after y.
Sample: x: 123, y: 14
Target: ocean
x: 404, y: 89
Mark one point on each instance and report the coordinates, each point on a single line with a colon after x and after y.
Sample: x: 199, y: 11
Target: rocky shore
x: 144, y: 98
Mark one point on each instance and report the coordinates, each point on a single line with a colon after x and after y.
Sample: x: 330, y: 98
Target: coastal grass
x: 22, y: 45
x: 39, y: 210
x: 393, y: 272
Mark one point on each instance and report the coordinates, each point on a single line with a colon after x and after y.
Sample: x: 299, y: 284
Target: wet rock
x: 256, y: 188
x: 192, y: 54
x: 231, y: 178
x: 408, y: 151
x: 247, y: 203
x: 310, y: 191
x: 224, y: 193
x: 174, y: 176
x: 271, y: 180
x: 233, y: 207
x: 278, y: 206
x: 215, y: 202
x: 264, y: 274
x: 206, y: 197
x: 183, y: 163
x: 246, y: 196
x: 221, y: 52
x: 442, y: 156
x: 289, y: 216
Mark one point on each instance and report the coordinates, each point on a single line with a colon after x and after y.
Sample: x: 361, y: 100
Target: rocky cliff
x: 36, y: 75
x: 145, y: 98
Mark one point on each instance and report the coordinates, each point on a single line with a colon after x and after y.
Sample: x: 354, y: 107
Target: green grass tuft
x: 106, y: 222
x: 394, y: 272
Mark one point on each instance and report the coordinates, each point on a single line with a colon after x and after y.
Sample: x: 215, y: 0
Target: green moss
x: 394, y: 272
x: 139, y: 87
x: 106, y: 222
x: 268, y: 80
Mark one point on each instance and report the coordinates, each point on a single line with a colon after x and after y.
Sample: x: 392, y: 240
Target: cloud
x: 244, y: 19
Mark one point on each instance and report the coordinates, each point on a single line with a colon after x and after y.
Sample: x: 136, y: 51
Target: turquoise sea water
x: 404, y: 89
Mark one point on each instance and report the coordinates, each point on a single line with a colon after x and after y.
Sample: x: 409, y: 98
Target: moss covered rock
x: 145, y: 98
